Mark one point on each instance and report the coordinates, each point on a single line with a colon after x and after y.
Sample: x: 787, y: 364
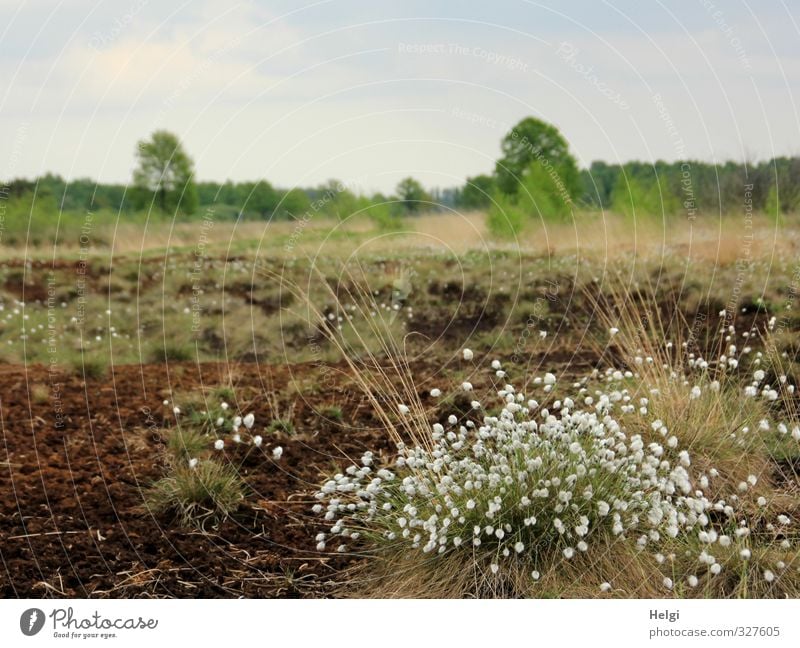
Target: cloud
x: 306, y: 92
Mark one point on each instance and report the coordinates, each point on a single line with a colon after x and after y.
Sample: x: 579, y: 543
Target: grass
x: 676, y: 386
x: 281, y: 427
x: 461, y: 284
x: 456, y: 279
x: 206, y: 494
x: 333, y: 413
x: 185, y: 443
x: 198, y: 489
x: 88, y: 367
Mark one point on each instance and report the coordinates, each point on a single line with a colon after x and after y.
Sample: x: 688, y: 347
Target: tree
x: 640, y: 192
x: 334, y: 199
x: 166, y: 171
x: 293, y: 204
x: 259, y: 197
x: 534, y: 141
x: 411, y: 194
x: 477, y: 192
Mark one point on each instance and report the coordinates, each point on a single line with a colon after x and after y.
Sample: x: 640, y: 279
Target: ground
x: 94, y: 345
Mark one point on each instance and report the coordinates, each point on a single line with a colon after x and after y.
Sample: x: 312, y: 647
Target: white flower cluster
x: 526, y: 483
x: 228, y: 425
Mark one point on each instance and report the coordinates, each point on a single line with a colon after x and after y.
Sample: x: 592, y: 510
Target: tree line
x: 536, y: 176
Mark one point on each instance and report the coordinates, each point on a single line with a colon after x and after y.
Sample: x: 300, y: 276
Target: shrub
x: 505, y: 219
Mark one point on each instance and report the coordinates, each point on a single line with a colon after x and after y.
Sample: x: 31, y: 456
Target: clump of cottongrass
x: 526, y: 485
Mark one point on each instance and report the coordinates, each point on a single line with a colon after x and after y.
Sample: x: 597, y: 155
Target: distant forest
x: 536, y: 175
x: 776, y: 183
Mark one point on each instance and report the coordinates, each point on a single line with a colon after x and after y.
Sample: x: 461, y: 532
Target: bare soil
x: 72, y: 520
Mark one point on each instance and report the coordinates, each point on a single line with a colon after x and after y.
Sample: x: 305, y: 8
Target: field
x: 119, y: 345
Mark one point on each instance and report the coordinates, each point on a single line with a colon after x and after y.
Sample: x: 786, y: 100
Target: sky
x: 370, y: 91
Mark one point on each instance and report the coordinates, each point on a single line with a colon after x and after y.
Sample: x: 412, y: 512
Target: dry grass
x: 719, y: 428
x: 629, y: 572
x: 598, y: 235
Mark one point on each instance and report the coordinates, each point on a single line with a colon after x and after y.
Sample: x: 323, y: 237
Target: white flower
x: 667, y: 582
x: 249, y: 420
x: 219, y: 444
x: 466, y: 386
x: 613, y: 331
x: 436, y: 392
x: 605, y: 587
x: 494, y: 567
x: 193, y: 463
x: 468, y: 355
x: 496, y: 364
x: 768, y: 576
x: 176, y: 410
x: 257, y: 441
x: 165, y: 402
x: 745, y: 553
x: 223, y: 405
x: 403, y: 409
x: 481, y: 477
x: 535, y: 575
x: 277, y: 453
x: 220, y: 421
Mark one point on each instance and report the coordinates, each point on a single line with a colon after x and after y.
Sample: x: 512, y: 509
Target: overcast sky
x: 370, y: 91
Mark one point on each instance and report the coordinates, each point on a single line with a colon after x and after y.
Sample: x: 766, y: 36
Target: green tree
x: 412, y: 194
x: 259, y: 197
x: 385, y: 212
x: 166, y: 172
x: 335, y: 199
x: 293, y: 203
x: 533, y: 140
x: 541, y: 195
x: 477, y: 192
x: 639, y: 192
